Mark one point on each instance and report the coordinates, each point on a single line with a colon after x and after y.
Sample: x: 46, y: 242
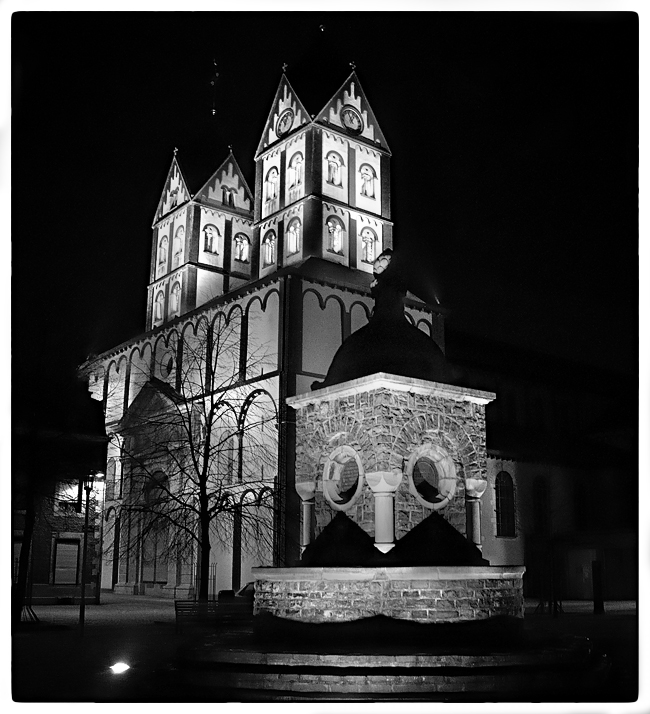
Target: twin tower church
x: 313, y: 383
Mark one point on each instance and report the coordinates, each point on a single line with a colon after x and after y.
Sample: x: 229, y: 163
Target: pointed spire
x: 175, y: 193
x: 349, y: 111
x: 287, y: 114
x: 229, y: 180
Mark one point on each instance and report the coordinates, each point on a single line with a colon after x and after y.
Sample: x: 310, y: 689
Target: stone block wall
x: 423, y: 594
x: 385, y: 426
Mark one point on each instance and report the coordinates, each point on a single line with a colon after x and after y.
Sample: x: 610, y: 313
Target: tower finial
x: 175, y: 150
x: 353, y: 64
x: 285, y: 67
x: 213, y: 84
x: 230, y: 148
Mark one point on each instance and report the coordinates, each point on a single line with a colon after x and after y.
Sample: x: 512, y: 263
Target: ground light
x: 119, y: 667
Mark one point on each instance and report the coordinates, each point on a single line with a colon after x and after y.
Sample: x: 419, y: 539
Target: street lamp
x: 87, y: 483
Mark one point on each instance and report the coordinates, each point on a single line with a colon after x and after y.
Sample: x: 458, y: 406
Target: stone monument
x: 390, y: 467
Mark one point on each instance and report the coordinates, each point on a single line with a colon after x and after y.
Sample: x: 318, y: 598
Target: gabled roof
x: 285, y: 102
x: 230, y: 176
x: 175, y: 193
x: 351, y: 95
x: 154, y: 397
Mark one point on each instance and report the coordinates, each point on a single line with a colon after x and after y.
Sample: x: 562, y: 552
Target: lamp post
x: 88, y: 482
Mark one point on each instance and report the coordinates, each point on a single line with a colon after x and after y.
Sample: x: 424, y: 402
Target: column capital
x: 384, y: 481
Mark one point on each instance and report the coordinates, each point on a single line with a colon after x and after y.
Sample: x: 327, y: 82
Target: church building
x: 250, y: 296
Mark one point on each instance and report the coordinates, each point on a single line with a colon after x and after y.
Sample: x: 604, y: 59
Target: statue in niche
x: 334, y: 164
x: 271, y: 184
x: 242, y: 247
x: 335, y: 231
x: 210, y: 238
x: 368, y: 176
x: 293, y: 236
x: 368, y: 242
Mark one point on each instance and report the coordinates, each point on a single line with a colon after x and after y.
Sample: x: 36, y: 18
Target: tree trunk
x: 204, y: 566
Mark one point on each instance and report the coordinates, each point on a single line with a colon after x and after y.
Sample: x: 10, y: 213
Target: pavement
x: 54, y: 661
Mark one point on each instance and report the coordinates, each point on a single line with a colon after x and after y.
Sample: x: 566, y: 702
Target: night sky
x: 514, y: 172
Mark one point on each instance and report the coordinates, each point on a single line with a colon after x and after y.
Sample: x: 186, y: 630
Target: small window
x: 334, y: 165
x: 227, y: 196
x: 335, y: 231
x: 293, y: 236
x: 368, y: 245
x: 268, y: 249
x: 159, y: 306
x: 175, y: 299
x: 367, y: 176
x: 296, y: 170
x: 505, y: 505
x: 179, y: 243
x: 271, y: 184
x: 242, y: 248
x: 211, y: 239
x: 163, y: 248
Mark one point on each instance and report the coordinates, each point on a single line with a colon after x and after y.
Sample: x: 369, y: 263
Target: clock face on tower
x: 352, y: 120
x: 284, y: 122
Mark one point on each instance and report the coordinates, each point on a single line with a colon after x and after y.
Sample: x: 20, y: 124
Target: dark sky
x: 514, y: 171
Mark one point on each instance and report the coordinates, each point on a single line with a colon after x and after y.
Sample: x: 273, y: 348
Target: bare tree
x: 199, y: 450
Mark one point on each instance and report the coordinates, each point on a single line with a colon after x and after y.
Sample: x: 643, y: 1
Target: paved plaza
x: 53, y: 661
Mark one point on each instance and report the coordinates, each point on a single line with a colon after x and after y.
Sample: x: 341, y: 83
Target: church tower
x: 322, y: 183
x: 201, y: 245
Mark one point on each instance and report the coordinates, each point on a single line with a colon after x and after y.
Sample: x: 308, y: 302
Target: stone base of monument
x: 427, y: 594
x: 373, y: 634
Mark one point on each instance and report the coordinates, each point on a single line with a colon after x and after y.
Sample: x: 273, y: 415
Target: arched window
x: 163, y: 249
x: 505, y: 505
x: 334, y: 164
x: 268, y: 249
x: 211, y: 239
x: 179, y: 240
x: 271, y: 184
x: 227, y: 196
x: 296, y: 173
x: 242, y: 248
x: 159, y: 306
x: 368, y: 245
x: 175, y: 299
x: 293, y: 236
x: 335, y: 230
x: 367, y: 175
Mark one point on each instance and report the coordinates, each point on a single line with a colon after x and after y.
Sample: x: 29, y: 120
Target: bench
x: 195, y: 612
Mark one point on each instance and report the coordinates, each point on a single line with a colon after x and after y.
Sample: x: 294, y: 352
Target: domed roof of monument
x: 389, y: 342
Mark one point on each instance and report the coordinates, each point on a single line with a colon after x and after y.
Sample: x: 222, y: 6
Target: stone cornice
x: 394, y: 382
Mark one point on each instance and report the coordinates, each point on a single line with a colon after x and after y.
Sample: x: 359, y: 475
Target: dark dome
x: 389, y: 342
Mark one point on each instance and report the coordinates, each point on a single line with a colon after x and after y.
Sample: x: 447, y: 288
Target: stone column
x: 383, y: 485
x: 306, y: 491
x: 474, y: 489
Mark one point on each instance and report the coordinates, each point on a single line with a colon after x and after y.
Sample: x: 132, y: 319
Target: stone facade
x: 385, y: 419
x: 424, y: 594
